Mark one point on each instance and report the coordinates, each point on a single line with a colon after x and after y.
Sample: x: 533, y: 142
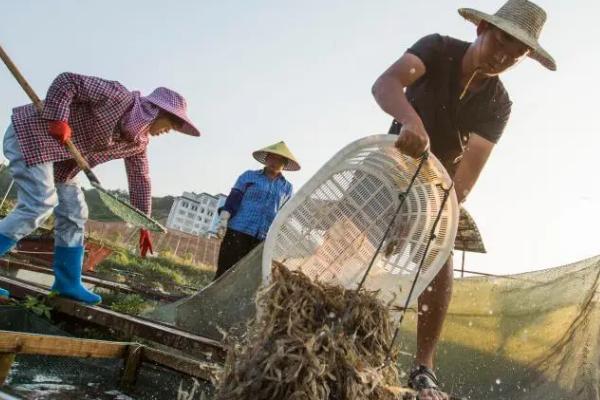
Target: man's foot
x: 424, y: 381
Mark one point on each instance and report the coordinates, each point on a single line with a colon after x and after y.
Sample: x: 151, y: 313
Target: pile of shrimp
x: 312, y: 340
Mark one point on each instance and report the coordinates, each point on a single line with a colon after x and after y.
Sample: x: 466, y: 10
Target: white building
x: 195, y: 214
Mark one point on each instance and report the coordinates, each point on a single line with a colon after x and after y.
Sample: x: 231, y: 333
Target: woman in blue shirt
x: 253, y: 203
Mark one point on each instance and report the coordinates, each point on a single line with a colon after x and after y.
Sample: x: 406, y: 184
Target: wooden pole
x: 81, y: 162
x: 6, y: 362
x: 205, y: 251
x: 12, y: 182
x: 176, y: 246
x: 194, y: 260
x: 132, y: 366
x: 161, y: 241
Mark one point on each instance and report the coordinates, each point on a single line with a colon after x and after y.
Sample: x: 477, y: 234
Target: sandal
x: 422, y: 378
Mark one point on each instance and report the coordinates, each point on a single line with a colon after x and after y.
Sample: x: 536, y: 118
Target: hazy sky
x: 256, y: 72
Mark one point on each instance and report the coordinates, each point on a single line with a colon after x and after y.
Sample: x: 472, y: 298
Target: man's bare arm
x: 388, y: 89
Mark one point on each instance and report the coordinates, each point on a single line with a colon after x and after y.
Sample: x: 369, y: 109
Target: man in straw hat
x: 445, y: 96
x: 105, y: 121
x: 253, y: 203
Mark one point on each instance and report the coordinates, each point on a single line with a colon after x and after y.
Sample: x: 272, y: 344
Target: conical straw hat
x: 281, y: 149
x: 521, y: 19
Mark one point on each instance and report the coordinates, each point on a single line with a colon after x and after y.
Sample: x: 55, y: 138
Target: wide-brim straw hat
x: 521, y: 19
x: 173, y: 103
x: 281, y: 149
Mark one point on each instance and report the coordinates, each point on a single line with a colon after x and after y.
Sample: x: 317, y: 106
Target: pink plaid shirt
x: 93, y: 107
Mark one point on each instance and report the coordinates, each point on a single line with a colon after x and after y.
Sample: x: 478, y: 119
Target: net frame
x: 127, y: 212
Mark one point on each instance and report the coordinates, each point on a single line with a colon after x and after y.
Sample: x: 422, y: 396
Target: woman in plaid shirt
x: 105, y: 121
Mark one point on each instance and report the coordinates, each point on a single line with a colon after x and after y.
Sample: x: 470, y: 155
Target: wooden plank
x: 13, y: 264
x: 12, y: 343
x: 198, y: 369
x: 6, y: 362
x: 132, y: 366
x: 119, y: 287
x: 29, y: 343
x: 127, y: 325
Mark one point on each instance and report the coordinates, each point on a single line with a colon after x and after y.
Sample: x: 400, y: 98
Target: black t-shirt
x: 435, y: 96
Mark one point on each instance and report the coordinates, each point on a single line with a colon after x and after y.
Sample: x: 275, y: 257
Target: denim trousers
x: 38, y: 196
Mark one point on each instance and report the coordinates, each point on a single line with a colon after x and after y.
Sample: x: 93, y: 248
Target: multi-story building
x: 195, y: 214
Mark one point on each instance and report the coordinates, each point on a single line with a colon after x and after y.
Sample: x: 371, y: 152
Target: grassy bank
x: 165, y: 274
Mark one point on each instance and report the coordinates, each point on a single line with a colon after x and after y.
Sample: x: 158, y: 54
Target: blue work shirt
x: 260, y: 201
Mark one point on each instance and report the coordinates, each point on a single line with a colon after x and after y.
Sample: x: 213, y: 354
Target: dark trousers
x: 234, y: 247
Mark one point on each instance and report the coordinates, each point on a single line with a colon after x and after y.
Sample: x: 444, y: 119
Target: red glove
x: 60, y: 130
x: 145, y: 243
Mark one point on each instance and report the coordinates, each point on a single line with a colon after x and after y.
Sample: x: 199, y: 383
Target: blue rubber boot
x: 5, y: 245
x: 67, y: 275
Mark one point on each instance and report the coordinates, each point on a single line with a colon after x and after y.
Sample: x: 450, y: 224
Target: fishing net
x: 522, y: 337
x: 127, y: 212
x: 332, y: 228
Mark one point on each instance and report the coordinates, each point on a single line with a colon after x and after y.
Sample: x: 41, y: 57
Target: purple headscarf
x: 135, y: 124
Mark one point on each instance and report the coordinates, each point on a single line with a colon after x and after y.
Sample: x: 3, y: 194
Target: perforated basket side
x: 332, y: 227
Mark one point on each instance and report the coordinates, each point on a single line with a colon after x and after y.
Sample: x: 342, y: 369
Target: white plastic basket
x: 332, y: 227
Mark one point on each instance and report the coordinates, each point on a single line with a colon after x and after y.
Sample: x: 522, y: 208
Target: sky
x: 257, y: 72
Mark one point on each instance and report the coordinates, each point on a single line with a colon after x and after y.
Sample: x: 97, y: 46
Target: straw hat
x: 280, y: 149
x: 521, y: 19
